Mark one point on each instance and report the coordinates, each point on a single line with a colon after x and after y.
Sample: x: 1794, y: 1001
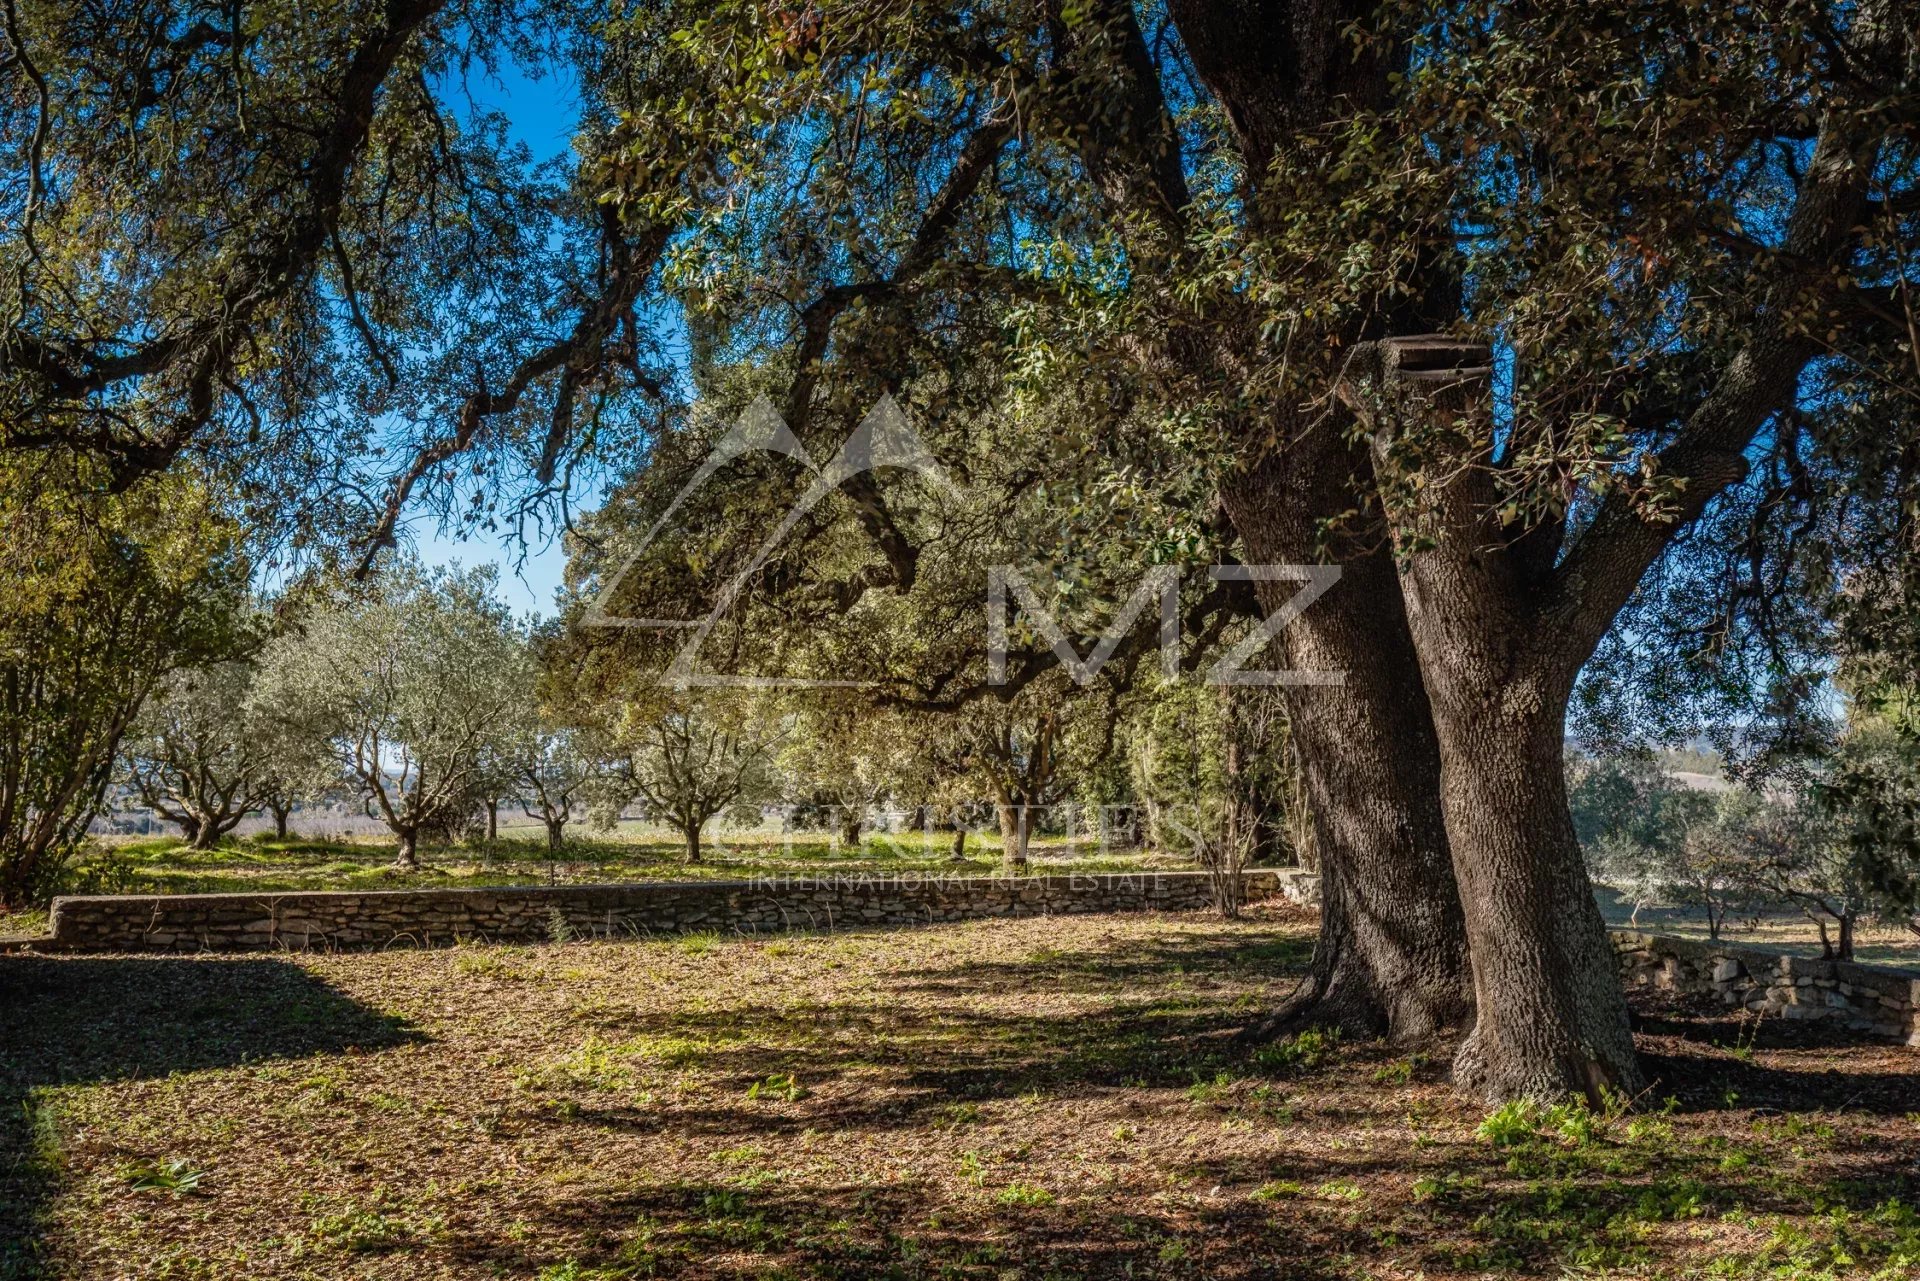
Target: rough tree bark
x: 190, y: 827
x: 1553, y: 1019
x: 690, y: 833
x: 1392, y: 954
x: 406, y: 857
x: 203, y: 826
x: 1016, y: 827
x: 847, y: 834
x: 1504, y: 619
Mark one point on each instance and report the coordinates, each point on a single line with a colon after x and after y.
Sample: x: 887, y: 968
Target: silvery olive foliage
x: 407, y: 683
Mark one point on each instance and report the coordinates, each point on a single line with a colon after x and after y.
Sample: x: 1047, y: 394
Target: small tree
x: 1029, y: 751
x: 1754, y: 846
x: 1869, y: 797
x: 106, y: 595
x: 295, y: 768
x: 1266, y: 811
x: 193, y: 756
x: 553, y: 772
x: 496, y: 776
x: 1177, y: 745
x: 1801, y: 856
x: 851, y: 758
x: 406, y: 688
x: 1715, y: 855
x: 1634, y: 823
x: 692, y: 759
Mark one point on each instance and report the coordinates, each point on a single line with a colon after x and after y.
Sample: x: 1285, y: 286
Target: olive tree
x: 295, y: 768
x: 406, y: 685
x: 193, y: 755
x: 1028, y: 752
x: 689, y: 758
x: 849, y: 757
x: 556, y: 769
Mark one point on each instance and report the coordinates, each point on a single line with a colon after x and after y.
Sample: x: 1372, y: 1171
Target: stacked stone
x: 330, y: 920
x: 1877, y: 1001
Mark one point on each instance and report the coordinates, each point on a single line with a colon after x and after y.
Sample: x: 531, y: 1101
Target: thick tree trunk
x: 279, y: 813
x: 407, y: 857
x: 1392, y: 957
x: 493, y: 819
x: 690, y: 833
x: 848, y: 834
x: 1016, y: 824
x: 212, y: 829
x: 556, y: 835
x: 1499, y: 671
x: 958, y: 852
x: 1552, y: 1017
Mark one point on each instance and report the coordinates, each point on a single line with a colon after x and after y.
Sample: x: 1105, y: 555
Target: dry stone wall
x: 1879, y: 1002
x: 424, y: 918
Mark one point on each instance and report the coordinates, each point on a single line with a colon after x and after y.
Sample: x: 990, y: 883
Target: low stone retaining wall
x: 423, y: 918
x: 1880, y: 1002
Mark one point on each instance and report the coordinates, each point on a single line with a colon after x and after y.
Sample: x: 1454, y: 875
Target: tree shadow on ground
x: 1621, y: 1196
x: 1708, y: 1057
x: 1098, y: 1129
x: 792, y: 1227
x: 83, y: 1020
x: 866, y: 1067
x: 933, y: 1052
x: 1201, y: 957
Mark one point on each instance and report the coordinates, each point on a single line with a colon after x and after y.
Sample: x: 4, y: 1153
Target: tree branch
x: 633, y: 264
x: 1607, y: 561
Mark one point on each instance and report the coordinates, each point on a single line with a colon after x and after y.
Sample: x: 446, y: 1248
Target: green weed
x: 780, y: 1086
x: 1302, y: 1052
x: 1025, y: 1195
x: 177, y: 1176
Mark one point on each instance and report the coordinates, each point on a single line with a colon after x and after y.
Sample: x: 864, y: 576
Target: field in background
x: 1038, y: 1098
x: 1783, y: 927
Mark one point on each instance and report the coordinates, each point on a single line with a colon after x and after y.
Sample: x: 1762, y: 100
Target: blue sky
x: 542, y: 113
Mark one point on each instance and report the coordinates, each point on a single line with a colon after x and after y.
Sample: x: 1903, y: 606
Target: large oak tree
x: 1485, y: 303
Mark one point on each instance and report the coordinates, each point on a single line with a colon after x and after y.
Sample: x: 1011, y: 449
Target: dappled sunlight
x: 1036, y: 1097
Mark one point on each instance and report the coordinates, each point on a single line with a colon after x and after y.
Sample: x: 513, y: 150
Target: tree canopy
x: 1579, y: 340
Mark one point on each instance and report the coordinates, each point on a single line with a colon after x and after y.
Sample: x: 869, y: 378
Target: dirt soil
x: 1044, y: 1098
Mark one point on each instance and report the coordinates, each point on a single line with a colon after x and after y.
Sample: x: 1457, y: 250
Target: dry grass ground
x: 1001, y: 1099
